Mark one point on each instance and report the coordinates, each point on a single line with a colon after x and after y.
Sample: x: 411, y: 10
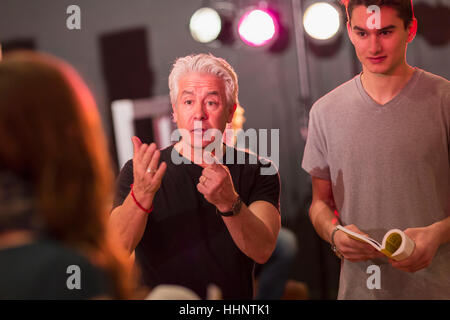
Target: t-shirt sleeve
x: 123, y: 182
x: 315, y: 153
x: 267, y: 186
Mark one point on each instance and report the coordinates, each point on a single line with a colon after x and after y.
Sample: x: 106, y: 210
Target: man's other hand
x: 216, y: 185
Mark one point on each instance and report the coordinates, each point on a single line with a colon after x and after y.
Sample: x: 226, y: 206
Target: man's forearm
x: 128, y: 222
x: 252, y: 236
x: 323, y: 219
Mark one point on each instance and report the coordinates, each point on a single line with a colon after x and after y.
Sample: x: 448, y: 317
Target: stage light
x: 321, y: 21
x: 258, y: 27
x: 205, y: 25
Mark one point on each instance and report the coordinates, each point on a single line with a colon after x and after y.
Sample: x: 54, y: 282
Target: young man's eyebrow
x: 388, y: 28
x: 359, y: 28
x: 381, y: 29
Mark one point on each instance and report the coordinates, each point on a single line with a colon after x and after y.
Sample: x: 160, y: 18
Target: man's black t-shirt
x: 185, y: 241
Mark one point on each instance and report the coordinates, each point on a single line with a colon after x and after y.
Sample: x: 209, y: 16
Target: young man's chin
x: 380, y: 69
x: 385, y: 68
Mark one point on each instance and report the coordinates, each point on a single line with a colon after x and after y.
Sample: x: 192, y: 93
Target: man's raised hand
x: 147, y: 175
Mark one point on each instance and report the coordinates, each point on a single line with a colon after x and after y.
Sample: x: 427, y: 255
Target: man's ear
x: 174, y: 114
x: 231, y: 114
x: 412, y: 30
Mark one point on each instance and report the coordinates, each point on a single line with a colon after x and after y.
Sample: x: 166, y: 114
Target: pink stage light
x: 257, y: 27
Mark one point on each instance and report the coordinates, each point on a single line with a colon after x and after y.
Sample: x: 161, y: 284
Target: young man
x: 378, y: 153
x: 210, y: 222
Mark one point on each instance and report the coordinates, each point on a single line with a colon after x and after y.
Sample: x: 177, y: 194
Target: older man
x: 197, y: 223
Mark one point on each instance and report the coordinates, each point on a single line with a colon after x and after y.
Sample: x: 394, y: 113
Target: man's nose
x: 375, y: 45
x: 199, y: 111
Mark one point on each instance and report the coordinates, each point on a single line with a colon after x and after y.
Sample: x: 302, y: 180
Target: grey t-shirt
x: 389, y: 168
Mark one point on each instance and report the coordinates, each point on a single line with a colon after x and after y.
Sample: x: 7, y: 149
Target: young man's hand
x: 426, y: 246
x: 354, y: 250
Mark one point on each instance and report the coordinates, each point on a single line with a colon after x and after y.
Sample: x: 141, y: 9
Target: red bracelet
x: 137, y: 202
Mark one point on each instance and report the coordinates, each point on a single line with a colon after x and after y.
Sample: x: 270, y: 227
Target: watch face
x: 234, y: 210
x: 237, y: 205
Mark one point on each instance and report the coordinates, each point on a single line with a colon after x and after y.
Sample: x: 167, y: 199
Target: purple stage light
x: 257, y: 27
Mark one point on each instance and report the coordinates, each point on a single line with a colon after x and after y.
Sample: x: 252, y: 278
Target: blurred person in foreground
x: 55, y: 187
x: 195, y: 223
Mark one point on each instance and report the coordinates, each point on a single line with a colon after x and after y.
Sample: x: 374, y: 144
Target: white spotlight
x: 321, y: 21
x: 205, y: 25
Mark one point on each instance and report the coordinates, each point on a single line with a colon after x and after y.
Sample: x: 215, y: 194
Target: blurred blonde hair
x: 51, y: 133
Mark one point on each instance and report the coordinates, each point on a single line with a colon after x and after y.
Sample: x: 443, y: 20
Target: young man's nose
x: 374, y: 45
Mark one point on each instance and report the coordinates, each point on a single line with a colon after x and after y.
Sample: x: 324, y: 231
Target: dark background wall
x: 269, y: 84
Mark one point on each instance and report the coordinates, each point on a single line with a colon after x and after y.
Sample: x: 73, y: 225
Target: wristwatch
x: 333, y: 245
x: 235, y: 209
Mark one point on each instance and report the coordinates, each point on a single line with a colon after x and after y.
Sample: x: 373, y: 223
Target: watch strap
x: 235, y: 209
x: 333, y: 245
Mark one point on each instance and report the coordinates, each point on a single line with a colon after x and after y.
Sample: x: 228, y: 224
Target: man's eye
x: 188, y: 102
x: 385, y: 33
x: 211, y: 103
x: 361, y: 33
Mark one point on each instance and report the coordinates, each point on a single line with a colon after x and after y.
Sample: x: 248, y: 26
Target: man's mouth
x: 198, y: 130
x: 376, y: 60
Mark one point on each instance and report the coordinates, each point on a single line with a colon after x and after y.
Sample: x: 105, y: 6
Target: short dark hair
x: 404, y: 8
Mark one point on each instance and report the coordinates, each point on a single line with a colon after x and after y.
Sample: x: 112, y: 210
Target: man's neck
x: 382, y: 88
x: 194, y: 155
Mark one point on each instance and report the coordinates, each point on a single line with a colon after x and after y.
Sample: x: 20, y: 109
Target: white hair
x: 204, y: 63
